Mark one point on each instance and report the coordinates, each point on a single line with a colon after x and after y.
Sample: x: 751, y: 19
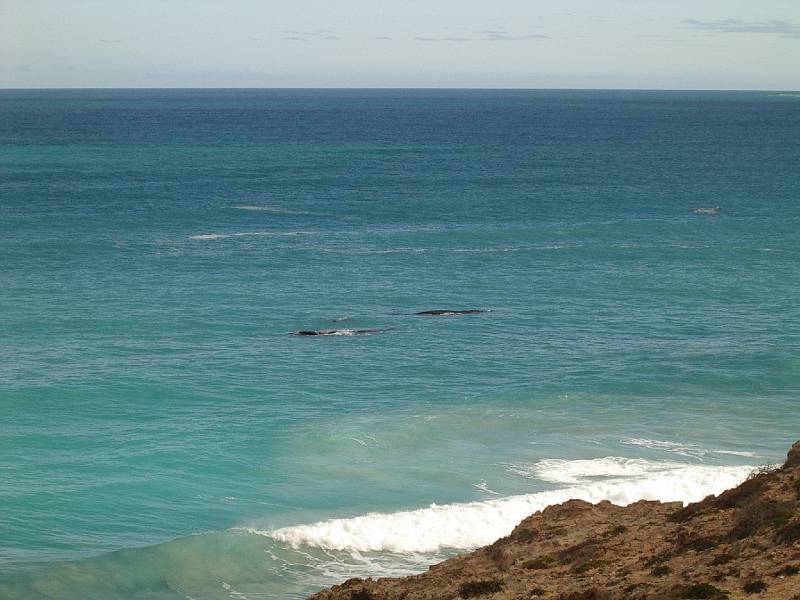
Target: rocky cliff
x: 744, y: 543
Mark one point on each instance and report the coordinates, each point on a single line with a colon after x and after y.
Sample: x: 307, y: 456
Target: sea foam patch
x: 468, y: 525
x: 554, y: 470
x: 690, y: 450
x: 273, y: 209
x: 221, y: 236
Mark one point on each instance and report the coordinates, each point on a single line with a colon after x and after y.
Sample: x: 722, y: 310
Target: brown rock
x: 793, y: 458
x: 744, y: 543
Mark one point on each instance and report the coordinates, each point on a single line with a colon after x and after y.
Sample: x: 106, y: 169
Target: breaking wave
x: 469, y: 525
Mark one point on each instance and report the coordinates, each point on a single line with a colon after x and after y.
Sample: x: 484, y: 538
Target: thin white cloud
x: 443, y: 39
x: 486, y: 35
x: 504, y: 37
x: 297, y: 35
x: 310, y: 33
x: 780, y: 27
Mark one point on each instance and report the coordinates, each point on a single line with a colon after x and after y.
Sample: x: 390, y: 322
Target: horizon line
x: 410, y: 88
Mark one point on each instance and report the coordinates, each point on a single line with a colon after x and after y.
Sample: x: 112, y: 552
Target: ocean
x: 163, y: 435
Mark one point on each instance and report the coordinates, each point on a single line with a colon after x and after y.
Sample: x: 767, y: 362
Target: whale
x: 335, y: 332
x: 450, y: 313
x: 707, y: 211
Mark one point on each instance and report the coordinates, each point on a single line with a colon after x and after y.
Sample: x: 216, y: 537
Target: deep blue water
x: 162, y: 434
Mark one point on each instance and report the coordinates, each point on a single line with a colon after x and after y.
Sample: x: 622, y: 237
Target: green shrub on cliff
x: 473, y: 589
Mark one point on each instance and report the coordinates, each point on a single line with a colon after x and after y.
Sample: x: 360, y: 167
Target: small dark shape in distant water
x: 707, y: 211
x: 451, y: 313
x: 336, y: 332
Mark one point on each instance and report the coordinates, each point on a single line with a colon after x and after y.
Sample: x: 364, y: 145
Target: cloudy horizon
x: 721, y: 44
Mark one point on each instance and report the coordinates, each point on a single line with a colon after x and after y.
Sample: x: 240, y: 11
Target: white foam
x: 683, y: 449
x: 348, y: 332
x: 344, y: 332
x: 473, y: 524
x: 556, y: 470
x: 362, y: 251
x: 273, y: 209
x: 209, y: 236
x: 484, y: 487
x: 219, y: 236
x: 737, y: 453
x: 690, y: 450
x: 647, y: 443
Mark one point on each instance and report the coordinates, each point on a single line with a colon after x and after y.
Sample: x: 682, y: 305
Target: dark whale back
x: 450, y: 313
x: 336, y: 332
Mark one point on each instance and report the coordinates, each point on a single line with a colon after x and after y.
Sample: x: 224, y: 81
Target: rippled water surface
x: 162, y: 433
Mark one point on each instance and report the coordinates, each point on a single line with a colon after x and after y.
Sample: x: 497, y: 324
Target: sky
x: 666, y: 44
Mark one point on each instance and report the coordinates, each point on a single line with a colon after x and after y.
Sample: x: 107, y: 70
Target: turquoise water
x: 162, y: 435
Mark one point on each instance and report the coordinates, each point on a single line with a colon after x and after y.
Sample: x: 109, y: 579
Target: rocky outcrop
x: 744, y: 543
